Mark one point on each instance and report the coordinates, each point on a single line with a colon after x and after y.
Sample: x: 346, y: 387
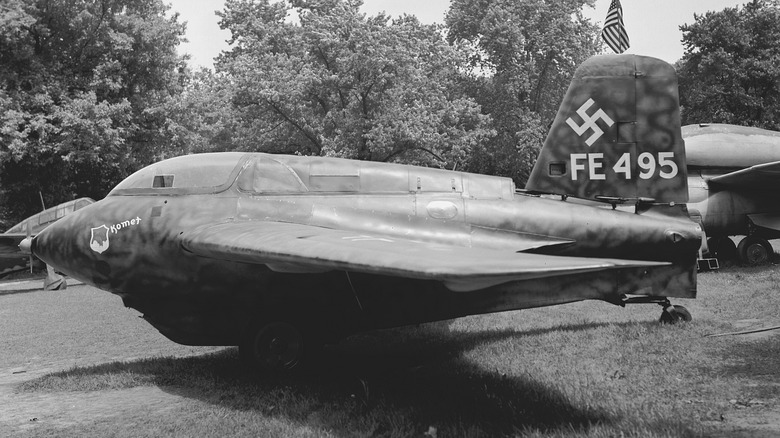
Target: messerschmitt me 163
x: 733, y: 180
x: 278, y: 253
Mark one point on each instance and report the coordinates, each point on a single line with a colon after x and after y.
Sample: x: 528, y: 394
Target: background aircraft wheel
x: 675, y: 314
x: 722, y: 248
x: 275, y: 346
x: 754, y: 251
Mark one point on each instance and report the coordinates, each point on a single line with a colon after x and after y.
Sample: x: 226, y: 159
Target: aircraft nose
x: 25, y: 246
x: 55, y: 245
x: 41, y: 246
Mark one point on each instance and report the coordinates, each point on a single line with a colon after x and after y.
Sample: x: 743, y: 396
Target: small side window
x: 162, y: 181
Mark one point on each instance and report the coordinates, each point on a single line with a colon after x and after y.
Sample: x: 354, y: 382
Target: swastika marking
x: 589, y: 122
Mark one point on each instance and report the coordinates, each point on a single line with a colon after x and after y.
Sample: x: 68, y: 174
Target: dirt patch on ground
x: 26, y: 412
x: 45, y: 332
x: 751, y: 422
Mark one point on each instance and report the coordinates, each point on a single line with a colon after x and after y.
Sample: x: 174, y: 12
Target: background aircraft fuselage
x: 733, y: 184
x: 11, y: 258
x: 725, y: 212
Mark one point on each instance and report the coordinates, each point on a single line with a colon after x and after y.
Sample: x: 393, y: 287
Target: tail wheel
x: 674, y: 314
x: 754, y: 250
x: 274, y: 346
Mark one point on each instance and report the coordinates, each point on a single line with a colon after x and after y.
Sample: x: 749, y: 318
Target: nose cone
x: 57, y: 245
x: 25, y: 246
x: 43, y: 245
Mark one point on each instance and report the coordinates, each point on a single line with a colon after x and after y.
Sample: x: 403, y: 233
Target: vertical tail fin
x: 616, y: 134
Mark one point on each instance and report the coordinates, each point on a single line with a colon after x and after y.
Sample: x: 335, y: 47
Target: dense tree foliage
x: 526, y: 52
x: 91, y: 90
x: 81, y: 86
x: 730, y: 72
x: 339, y: 83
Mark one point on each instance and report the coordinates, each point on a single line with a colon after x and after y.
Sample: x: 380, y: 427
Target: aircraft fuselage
x: 130, y: 244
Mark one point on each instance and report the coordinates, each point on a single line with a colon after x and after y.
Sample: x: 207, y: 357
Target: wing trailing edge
x: 760, y: 177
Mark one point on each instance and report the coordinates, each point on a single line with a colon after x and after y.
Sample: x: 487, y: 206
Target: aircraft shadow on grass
x: 418, y: 374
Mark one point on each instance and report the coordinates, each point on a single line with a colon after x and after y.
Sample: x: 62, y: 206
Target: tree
x: 526, y: 52
x: 338, y: 83
x: 730, y: 71
x: 80, y: 89
x: 202, y: 118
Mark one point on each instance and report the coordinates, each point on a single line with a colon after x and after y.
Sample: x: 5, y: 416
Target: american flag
x: 614, y: 32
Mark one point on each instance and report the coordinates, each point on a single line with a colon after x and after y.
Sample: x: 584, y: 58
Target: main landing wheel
x: 674, y: 314
x: 274, y: 346
x: 754, y: 250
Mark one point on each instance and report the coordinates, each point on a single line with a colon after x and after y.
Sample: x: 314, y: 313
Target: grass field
x: 585, y: 369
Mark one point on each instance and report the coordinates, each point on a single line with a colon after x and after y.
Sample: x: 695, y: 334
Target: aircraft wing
x: 762, y: 176
x: 768, y: 221
x: 288, y: 247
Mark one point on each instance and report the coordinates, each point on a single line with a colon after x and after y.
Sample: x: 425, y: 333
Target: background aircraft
x: 733, y: 176
x: 12, y: 259
x: 277, y: 254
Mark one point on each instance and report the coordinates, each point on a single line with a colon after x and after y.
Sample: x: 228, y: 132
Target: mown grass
x: 586, y: 369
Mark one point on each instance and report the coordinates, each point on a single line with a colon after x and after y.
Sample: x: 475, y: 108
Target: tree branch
x: 292, y: 122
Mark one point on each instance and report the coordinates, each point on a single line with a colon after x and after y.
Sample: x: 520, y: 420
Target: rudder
x: 616, y: 135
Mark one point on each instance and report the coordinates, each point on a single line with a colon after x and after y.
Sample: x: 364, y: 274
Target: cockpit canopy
x: 189, y: 173
x: 287, y: 175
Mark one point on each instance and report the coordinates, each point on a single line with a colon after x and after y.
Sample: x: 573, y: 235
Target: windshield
x: 199, y: 171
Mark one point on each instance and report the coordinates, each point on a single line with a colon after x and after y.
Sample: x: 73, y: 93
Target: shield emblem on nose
x: 98, y: 241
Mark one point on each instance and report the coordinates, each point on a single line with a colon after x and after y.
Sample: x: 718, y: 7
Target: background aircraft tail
x: 616, y: 136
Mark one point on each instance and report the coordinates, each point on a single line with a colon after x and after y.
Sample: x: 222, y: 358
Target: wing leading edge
x: 288, y: 247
